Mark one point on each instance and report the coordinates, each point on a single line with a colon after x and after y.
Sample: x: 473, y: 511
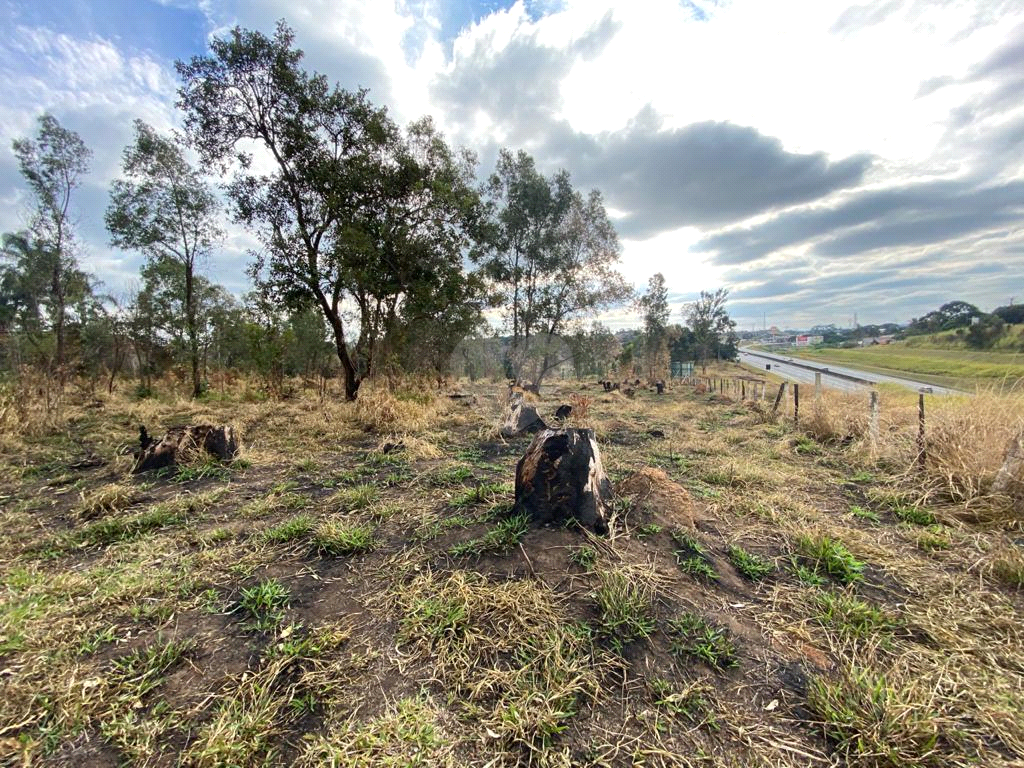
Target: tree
x: 53, y: 165
x: 166, y: 210
x: 951, y: 315
x: 654, y: 305
x: 1011, y: 313
x: 550, y: 254
x: 712, y: 329
x: 351, y: 211
x: 39, y: 291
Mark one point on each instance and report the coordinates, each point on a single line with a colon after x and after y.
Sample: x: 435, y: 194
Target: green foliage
x: 691, y: 635
x: 380, y: 220
x: 864, y: 513
x: 831, y: 557
x: 873, y: 724
x: 265, y: 603
x: 750, y: 565
x: 294, y: 528
x: 140, y: 671
x: 335, y: 537
x: 912, y: 514
x: 692, y: 557
x: 713, y: 331
x: 583, y: 556
x: 851, y: 616
x: 147, y: 207
x: 625, y: 612
x: 693, y: 702
x: 501, y: 538
x: 483, y: 493
x: 550, y: 254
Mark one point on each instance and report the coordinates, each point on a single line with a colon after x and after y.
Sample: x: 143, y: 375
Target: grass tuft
x: 830, y: 556
x: 265, y: 603
x: 624, y: 604
x: 339, y: 537
x: 691, y: 635
x: 750, y: 565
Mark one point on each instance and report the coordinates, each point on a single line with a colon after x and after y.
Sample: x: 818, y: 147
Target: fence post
x: 817, y: 385
x: 778, y: 397
x: 873, y: 419
x: 920, y: 431
x: 796, y: 405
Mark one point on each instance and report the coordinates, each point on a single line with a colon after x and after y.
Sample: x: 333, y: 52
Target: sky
x: 825, y: 161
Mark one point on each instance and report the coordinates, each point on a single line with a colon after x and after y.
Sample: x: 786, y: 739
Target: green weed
x: 691, y: 635
x: 750, y: 565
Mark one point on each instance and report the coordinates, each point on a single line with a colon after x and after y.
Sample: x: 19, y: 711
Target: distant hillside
x: 1012, y: 340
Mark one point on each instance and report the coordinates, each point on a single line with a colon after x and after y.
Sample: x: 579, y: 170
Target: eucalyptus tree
x: 165, y: 209
x: 352, y: 215
x: 53, y: 164
x: 713, y: 331
x: 656, y: 311
x: 551, y: 255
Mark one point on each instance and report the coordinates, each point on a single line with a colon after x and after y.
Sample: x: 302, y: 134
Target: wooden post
x: 778, y: 397
x: 920, y: 431
x: 796, y: 405
x: 817, y: 385
x: 873, y: 419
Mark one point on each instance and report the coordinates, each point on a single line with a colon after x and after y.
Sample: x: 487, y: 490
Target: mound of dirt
x: 665, y: 498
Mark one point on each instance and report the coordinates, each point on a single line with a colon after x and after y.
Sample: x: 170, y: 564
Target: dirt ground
x: 357, y: 590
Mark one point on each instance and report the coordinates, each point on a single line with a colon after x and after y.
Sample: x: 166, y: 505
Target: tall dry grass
x: 966, y: 442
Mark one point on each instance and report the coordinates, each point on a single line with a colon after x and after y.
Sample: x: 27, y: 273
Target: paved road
x: 802, y: 371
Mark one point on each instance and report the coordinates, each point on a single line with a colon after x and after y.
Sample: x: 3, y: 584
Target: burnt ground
x: 356, y: 590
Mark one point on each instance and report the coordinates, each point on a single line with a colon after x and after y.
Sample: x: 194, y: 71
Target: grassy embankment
x: 768, y: 596
x: 942, y: 359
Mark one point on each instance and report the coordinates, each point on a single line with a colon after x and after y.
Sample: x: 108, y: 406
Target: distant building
x: 875, y: 341
x: 807, y: 341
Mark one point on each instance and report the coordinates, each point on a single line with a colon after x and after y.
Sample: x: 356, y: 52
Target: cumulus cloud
x: 818, y: 159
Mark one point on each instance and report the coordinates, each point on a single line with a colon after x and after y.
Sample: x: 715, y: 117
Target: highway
x: 832, y: 376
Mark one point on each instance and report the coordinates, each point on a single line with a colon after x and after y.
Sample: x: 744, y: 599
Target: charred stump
x: 520, y: 418
x: 561, y: 478
x: 660, y: 385
x: 563, y: 412
x: 184, y: 443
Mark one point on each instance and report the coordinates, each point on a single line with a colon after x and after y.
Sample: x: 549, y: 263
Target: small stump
x: 561, y: 478
x: 563, y: 412
x: 660, y: 386
x: 183, y: 443
x: 520, y: 418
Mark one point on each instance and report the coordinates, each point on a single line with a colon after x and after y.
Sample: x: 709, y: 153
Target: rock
x: 563, y: 412
x: 183, y: 443
x: 561, y: 478
x: 656, y: 432
x: 520, y: 418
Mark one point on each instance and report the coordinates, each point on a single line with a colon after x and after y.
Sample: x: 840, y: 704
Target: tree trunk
x: 193, y: 331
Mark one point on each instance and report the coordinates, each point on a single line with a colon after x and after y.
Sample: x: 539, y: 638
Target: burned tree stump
x: 660, y: 385
x: 184, y: 443
x: 520, y: 418
x: 561, y: 478
x: 563, y: 412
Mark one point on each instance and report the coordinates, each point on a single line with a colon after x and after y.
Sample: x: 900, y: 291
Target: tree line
x: 378, y: 249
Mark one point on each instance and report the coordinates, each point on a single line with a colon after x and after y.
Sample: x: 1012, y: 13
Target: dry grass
x: 135, y: 637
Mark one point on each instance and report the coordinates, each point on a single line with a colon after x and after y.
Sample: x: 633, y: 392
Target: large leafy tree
x: 165, y: 209
x: 352, y: 215
x: 551, y: 255
x: 713, y: 331
x: 49, y: 280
